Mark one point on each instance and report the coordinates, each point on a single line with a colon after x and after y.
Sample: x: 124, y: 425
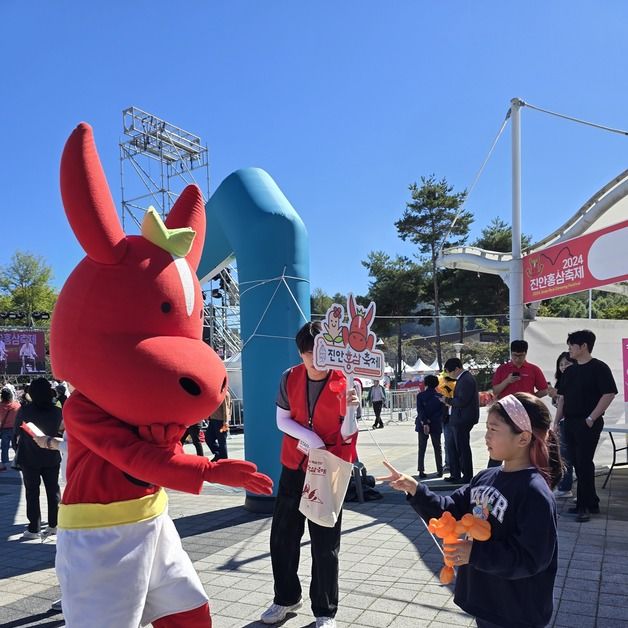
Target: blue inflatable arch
x: 249, y: 217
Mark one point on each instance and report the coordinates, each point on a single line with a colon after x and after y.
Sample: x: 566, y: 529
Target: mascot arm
x: 162, y: 464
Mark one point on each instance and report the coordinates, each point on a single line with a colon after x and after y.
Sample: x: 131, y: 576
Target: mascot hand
x: 239, y: 473
x: 164, y: 435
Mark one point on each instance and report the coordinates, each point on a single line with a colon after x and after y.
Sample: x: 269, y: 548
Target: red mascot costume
x: 126, y: 333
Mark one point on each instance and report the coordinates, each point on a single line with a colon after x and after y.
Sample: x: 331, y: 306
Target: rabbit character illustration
x: 126, y: 332
x: 358, y: 335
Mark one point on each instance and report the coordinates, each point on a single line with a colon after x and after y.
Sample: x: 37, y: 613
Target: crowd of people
x: 504, y: 581
x: 583, y: 389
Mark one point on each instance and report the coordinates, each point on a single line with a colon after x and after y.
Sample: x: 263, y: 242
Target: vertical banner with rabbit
x: 349, y: 345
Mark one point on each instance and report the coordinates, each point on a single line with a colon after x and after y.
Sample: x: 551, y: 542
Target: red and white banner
x: 589, y: 261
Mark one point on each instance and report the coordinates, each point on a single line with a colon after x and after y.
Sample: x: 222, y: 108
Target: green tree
x: 341, y: 299
x: 604, y: 305
x: 430, y: 221
x: 568, y: 306
x: 395, y: 287
x: 609, y: 305
x: 491, y: 290
x: 320, y: 302
x: 484, y: 356
x: 465, y: 293
x: 617, y: 312
x: 25, y: 286
x: 458, y: 295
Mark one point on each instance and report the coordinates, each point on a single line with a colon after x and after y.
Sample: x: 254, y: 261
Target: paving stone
x: 389, y: 564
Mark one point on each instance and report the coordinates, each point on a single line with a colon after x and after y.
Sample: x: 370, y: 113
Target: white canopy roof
x: 406, y: 368
x: 434, y: 366
x: 421, y: 367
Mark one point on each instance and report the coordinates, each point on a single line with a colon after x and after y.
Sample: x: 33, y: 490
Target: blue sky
x: 343, y: 103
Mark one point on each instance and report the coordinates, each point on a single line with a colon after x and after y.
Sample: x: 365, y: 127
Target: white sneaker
x: 276, y: 613
x: 48, y: 532
x: 325, y: 622
x: 563, y: 494
x: 30, y: 536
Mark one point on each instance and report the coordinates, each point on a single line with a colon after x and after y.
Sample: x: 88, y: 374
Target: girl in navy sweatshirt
x: 507, y: 581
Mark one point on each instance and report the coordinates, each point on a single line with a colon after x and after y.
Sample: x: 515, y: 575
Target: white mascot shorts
x: 125, y: 576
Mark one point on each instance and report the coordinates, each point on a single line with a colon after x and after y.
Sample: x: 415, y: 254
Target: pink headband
x: 517, y: 413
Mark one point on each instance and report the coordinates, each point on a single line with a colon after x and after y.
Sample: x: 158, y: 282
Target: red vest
x: 326, y: 419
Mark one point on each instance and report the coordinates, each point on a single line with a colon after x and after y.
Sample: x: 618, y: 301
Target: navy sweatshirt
x: 509, y: 580
x: 429, y: 409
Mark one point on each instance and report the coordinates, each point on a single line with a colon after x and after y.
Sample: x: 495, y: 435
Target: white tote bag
x: 326, y: 481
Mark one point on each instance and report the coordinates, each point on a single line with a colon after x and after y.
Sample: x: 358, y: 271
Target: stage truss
x: 157, y: 160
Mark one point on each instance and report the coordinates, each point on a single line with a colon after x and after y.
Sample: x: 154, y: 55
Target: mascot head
x: 127, y: 328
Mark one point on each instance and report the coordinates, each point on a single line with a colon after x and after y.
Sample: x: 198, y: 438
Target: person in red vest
x: 310, y: 408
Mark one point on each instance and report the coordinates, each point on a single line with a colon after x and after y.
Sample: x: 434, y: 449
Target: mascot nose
x: 190, y: 386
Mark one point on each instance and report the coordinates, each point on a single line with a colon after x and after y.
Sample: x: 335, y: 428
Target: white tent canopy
x: 434, y: 366
x: 406, y: 368
x: 421, y: 367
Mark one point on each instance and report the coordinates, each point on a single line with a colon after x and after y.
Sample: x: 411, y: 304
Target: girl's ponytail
x: 556, y: 468
x: 539, y: 454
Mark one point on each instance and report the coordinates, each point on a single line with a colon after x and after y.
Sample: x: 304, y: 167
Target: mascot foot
x: 196, y: 618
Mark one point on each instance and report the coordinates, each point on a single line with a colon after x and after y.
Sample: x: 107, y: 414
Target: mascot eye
x: 166, y: 307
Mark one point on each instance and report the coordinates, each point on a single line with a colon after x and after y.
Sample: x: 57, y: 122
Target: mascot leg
x: 196, y: 618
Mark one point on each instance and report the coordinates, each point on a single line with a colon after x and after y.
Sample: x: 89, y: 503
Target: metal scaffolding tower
x: 157, y: 159
x: 222, y: 314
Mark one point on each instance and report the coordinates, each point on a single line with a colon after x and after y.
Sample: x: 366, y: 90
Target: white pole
x: 351, y: 410
x: 516, y: 270
x: 590, y: 301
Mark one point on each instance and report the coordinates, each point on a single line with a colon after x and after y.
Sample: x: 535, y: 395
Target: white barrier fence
x: 400, y: 406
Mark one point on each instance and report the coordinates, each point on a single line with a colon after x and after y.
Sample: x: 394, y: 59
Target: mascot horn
x: 127, y: 334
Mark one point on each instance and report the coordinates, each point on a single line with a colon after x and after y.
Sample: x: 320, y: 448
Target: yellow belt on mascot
x: 86, y: 516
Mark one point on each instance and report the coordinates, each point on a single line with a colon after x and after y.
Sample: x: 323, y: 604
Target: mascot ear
x: 87, y: 199
x: 189, y: 211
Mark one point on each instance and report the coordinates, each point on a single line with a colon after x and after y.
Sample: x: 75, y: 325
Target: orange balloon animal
x: 449, y: 530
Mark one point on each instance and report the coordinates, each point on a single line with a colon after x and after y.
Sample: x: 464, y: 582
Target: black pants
x: 285, y: 547
x: 216, y: 440
x: 462, y: 464
x: 482, y: 623
x: 582, y: 441
x: 377, y: 408
x: 32, y: 477
x: 194, y: 432
x: 438, y: 451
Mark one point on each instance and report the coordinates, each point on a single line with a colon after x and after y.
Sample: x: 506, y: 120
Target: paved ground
x: 389, y: 564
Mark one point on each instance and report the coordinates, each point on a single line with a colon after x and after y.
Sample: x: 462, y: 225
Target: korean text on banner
x: 589, y: 261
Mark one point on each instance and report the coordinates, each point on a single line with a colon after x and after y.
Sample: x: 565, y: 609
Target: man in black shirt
x: 586, y: 390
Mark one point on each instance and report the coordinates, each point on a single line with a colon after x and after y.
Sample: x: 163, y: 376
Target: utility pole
x: 515, y: 280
